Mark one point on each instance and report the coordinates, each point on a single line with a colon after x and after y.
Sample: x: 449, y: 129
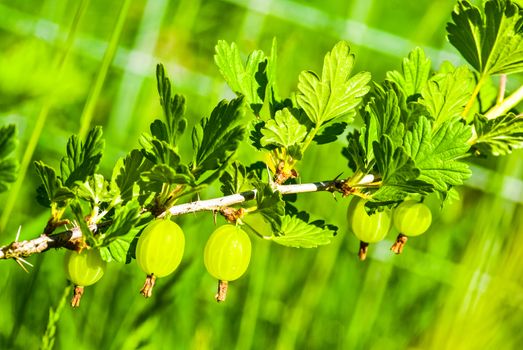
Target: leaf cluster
x: 413, y: 139
x: 110, y: 212
x: 320, y: 110
x: 490, y: 37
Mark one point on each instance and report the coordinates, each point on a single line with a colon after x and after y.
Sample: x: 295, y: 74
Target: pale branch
x: 506, y: 105
x: 217, y: 203
x: 19, y: 250
x: 22, y: 249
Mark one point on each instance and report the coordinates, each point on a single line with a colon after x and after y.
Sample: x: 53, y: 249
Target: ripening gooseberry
x: 367, y: 228
x: 226, y: 256
x: 159, y: 251
x: 83, y: 269
x: 411, y: 218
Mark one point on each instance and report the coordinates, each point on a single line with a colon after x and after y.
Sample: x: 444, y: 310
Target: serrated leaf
x: 354, y: 152
x: 249, y: 80
x: 498, y: 136
x: 8, y: 164
x: 173, y: 111
x: 297, y: 233
x: 117, y: 250
x: 283, y: 131
x: 415, y: 72
x: 445, y: 95
x: 82, y: 224
x: 335, y: 94
x: 382, y: 117
x: 8, y: 140
x: 269, y: 203
x: 82, y: 159
x: 490, y: 40
x: 159, y: 152
x: 395, y: 166
x: 128, y: 174
x: 54, y: 191
x: 95, y: 190
x: 217, y: 136
x: 234, y: 180
x: 164, y: 174
x: 330, y: 133
x: 272, y: 92
x: 124, y: 220
x: 437, y: 153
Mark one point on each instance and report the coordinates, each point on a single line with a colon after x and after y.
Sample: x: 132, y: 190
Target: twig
x: 507, y: 104
x: 19, y: 250
x: 217, y: 203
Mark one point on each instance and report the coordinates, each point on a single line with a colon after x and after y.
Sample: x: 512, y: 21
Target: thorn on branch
x: 21, y: 262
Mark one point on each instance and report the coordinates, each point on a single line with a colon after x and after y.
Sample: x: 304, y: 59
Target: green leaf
x: 173, y: 111
x: 490, y: 40
x: 234, y: 180
x: 164, y: 174
x: 437, y: 153
x: 446, y: 95
x: 382, y: 117
x: 118, y: 249
x: 124, y: 220
x: 54, y: 191
x: 272, y: 92
x: 95, y: 190
x: 270, y: 204
x: 249, y: 80
x: 498, y: 136
x: 77, y: 210
x: 283, y: 131
x: 82, y: 159
x: 8, y: 164
x: 335, y: 94
x: 297, y: 233
x: 121, y: 237
x: 330, y: 133
x: 127, y: 174
x: 217, y: 137
x: 415, y: 72
x: 354, y: 152
x: 159, y: 152
x: 398, y: 171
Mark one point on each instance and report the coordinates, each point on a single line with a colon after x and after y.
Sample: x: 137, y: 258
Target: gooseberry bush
x: 407, y: 137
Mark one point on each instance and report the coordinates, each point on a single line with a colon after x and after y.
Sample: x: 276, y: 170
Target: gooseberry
x: 83, y: 269
x: 159, y: 251
x: 411, y: 218
x: 226, y: 256
x: 367, y: 228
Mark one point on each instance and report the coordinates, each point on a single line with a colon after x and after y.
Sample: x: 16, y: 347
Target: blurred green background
x: 68, y: 65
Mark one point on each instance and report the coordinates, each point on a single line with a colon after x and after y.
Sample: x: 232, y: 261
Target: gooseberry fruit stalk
x: 159, y: 251
x: 411, y: 218
x: 83, y: 269
x: 226, y: 256
x: 367, y: 228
